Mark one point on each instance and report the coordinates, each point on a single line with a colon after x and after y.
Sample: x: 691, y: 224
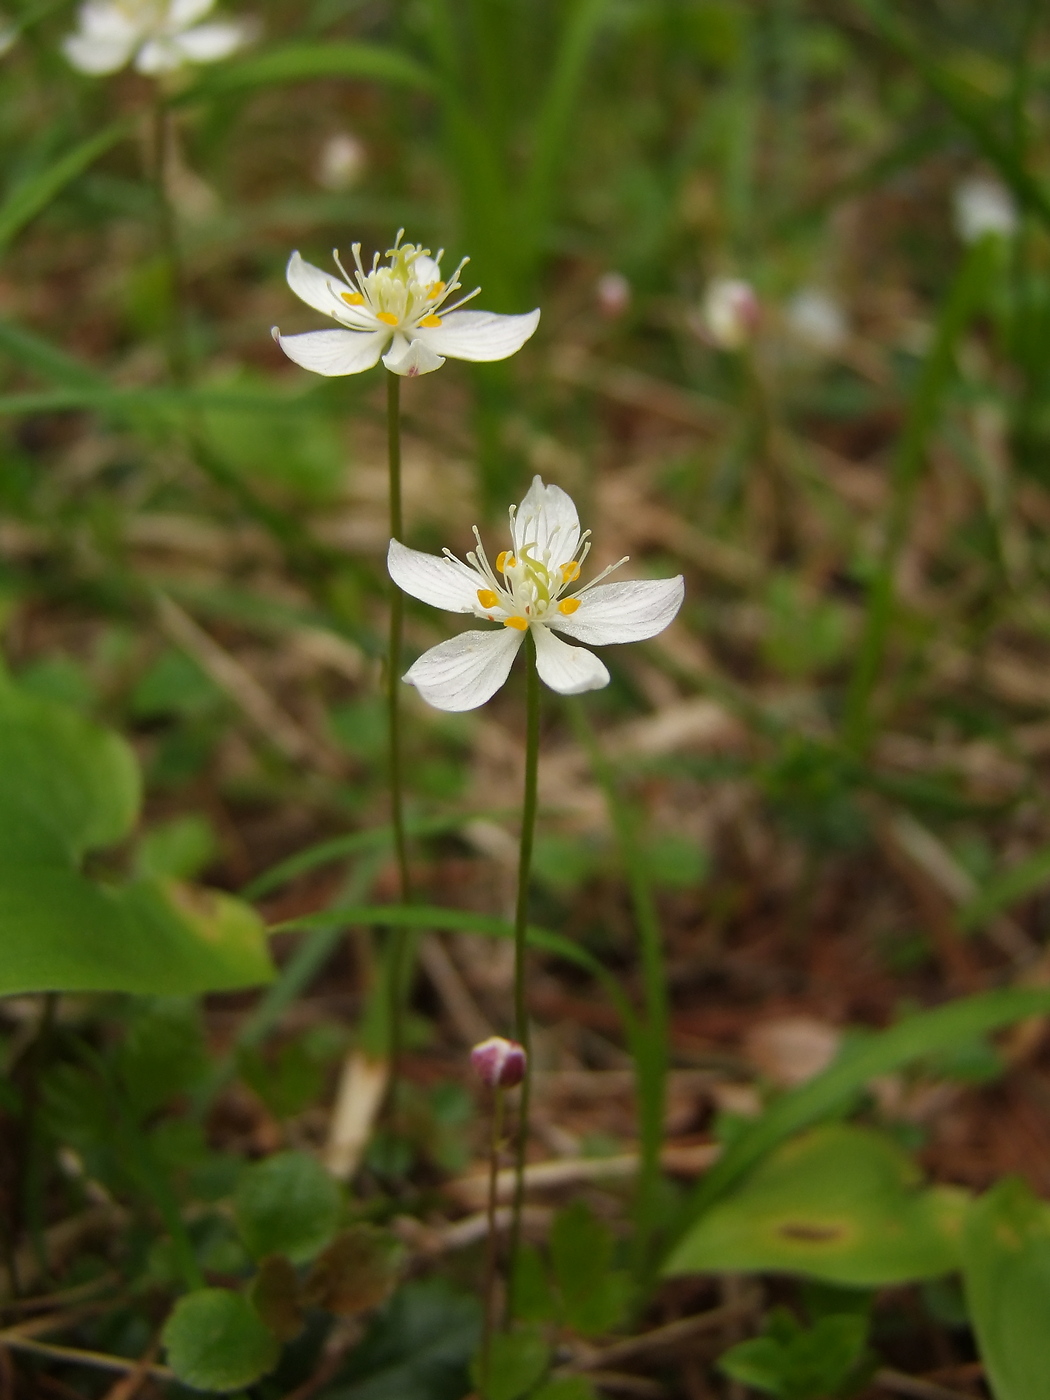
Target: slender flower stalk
x: 500, y: 1064
x: 168, y: 241
x: 398, y: 936
x: 521, y: 924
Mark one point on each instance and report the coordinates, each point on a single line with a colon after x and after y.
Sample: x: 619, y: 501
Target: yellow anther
x: 431, y: 321
x: 353, y: 298
x: 505, y: 560
x: 487, y: 598
x: 387, y: 317
x: 518, y: 623
x: 570, y: 571
x: 436, y: 288
x: 569, y: 605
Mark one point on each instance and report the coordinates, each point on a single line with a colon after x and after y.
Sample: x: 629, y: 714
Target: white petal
x: 624, y: 612
x: 467, y: 670
x: 442, y: 582
x: 479, y: 335
x: 334, y: 352
x: 97, y: 55
x: 568, y: 670
x: 210, y: 42
x: 183, y: 13
x: 159, y: 56
x: 411, y: 358
x: 316, y: 287
x: 547, y: 518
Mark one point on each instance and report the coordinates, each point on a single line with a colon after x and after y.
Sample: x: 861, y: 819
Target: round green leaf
x: 840, y: 1203
x: 287, y: 1205
x: 216, y: 1341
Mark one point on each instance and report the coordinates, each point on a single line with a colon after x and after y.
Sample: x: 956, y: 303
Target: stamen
x: 505, y: 560
x: 568, y: 606
x: 462, y: 301
x: 436, y: 288
x: 353, y: 298
x: 487, y: 598
x: 387, y: 317
x: 570, y: 572
x: 430, y: 321
x: 518, y: 623
x: 605, y: 573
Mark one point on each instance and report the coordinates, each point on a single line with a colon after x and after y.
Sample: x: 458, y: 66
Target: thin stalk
x: 399, y: 936
x: 922, y: 417
x: 521, y: 922
x: 168, y: 243
x: 650, y: 1043
x: 492, y: 1244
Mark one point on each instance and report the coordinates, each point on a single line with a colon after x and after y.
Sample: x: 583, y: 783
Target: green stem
x: 491, y: 1246
x: 650, y: 1043
x: 922, y: 418
x: 168, y: 240
x: 399, y: 937
x: 521, y: 923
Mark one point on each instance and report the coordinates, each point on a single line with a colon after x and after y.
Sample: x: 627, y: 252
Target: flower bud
x: 613, y: 294
x: 731, y: 312
x: 983, y: 206
x: 499, y: 1063
x: 342, y: 162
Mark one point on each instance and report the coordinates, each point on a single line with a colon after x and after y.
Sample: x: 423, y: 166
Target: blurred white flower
x: 157, y: 36
x: 342, y: 161
x: 8, y: 35
x: 530, y: 589
x: 817, y: 320
x: 396, y: 306
x: 983, y: 205
x: 613, y: 294
x: 730, y: 313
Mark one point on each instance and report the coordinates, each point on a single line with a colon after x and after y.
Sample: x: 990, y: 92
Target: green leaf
x: 1006, y: 1270
x: 68, y: 787
x: 287, y: 1204
x: 216, y: 1341
x: 595, y: 1296
x: 842, y: 1204
x: 163, y: 1054
x: 794, y: 1363
x: 65, y: 776
x: 296, y: 63
x: 34, y: 193
x: 913, y: 1038
x: 565, y: 1388
x: 517, y: 1361
x: 1006, y: 889
x: 179, y: 849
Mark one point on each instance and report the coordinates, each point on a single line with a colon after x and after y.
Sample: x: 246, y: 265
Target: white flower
x: 159, y: 35
x: 983, y: 205
x: 730, y: 313
x: 402, y: 307
x: 530, y: 589
x: 818, y: 320
x: 342, y: 161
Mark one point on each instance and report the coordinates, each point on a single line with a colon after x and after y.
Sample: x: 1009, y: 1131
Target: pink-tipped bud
x: 731, y: 313
x: 613, y: 294
x: 499, y: 1063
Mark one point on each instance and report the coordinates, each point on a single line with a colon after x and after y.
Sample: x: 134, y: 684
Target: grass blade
x: 1009, y: 888
x: 36, y: 192
x: 296, y: 63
